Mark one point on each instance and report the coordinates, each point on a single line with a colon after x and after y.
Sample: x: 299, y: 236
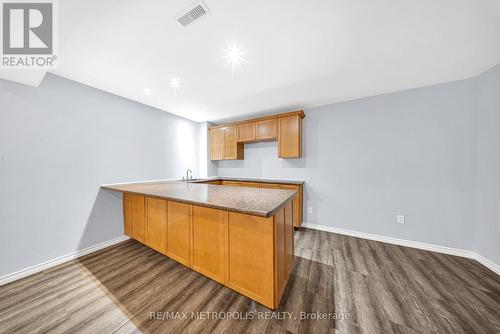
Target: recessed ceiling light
x: 174, y: 82
x: 234, y: 55
x: 147, y: 91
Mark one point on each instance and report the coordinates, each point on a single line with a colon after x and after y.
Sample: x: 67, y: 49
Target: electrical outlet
x: 400, y: 219
x: 310, y: 210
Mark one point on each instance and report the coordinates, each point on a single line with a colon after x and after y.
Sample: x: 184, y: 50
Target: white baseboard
x: 54, y: 262
x: 487, y: 263
x: 408, y: 243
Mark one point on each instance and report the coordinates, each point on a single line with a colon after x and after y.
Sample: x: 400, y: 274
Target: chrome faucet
x: 189, y: 174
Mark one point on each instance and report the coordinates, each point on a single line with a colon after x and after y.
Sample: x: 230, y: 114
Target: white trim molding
x: 408, y: 243
x: 487, y: 263
x: 54, y: 262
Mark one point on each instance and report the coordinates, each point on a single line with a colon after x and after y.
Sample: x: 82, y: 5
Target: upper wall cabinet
x: 246, y: 132
x: 290, y: 137
x: 232, y: 149
x: 224, y: 144
x: 267, y: 129
x: 217, y: 144
x: 226, y: 140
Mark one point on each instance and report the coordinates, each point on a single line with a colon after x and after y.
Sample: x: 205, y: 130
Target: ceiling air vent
x: 192, y: 13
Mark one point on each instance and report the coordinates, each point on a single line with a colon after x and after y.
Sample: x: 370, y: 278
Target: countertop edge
x: 249, y: 179
x: 208, y: 205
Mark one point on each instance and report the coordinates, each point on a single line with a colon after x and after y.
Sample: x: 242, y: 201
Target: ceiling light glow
x: 234, y: 55
x: 174, y: 82
x: 147, y: 91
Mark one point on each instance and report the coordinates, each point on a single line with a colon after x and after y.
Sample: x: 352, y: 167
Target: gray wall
x: 413, y: 153
x: 487, y: 227
x: 207, y: 167
x: 58, y: 143
x: 431, y: 154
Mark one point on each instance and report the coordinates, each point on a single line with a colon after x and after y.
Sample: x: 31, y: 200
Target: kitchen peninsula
x: 241, y: 237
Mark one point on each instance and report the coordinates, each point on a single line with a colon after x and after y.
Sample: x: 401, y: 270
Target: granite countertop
x: 253, y: 201
x: 243, y: 179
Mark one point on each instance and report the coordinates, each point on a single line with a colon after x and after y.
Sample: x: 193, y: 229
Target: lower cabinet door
x: 250, y: 184
x: 280, y: 273
x: 297, y: 203
x: 297, y: 213
x: 289, y: 242
x: 231, y: 183
x: 137, y: 217
x: 127, y: 215
x: 251, y: 254
x: 208, y: 247
x: 156, y: 228
x: 178, y: 232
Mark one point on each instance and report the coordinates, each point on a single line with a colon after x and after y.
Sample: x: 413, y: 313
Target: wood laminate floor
x: 372, y: 287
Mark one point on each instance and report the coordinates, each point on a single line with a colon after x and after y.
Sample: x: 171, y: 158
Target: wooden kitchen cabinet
x: 208, y: 246
x: 296, y: 203
x: 251, y: 256
x: 224, y: 144
x: 227, y: 140
x: 250, y: 184
x: 290, y: 136
x: 179, y: 232
x: 267, y: 129
x: 269, y: 185
x: 232, y: 149
x: 156, y: 226
x: 253, y: 251
x: 135, y: 216
x: 217, y: 144
x: 246, y: 132
x: 289, y: 245
x: 280, y: 252
x: 127, y: 219
x: 231, y: 183
x: 217, y: 182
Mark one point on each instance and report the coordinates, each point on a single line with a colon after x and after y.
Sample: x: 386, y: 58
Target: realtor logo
x: 28, y: 34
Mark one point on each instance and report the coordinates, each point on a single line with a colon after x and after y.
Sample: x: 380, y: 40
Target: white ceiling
x: 300, y: 53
